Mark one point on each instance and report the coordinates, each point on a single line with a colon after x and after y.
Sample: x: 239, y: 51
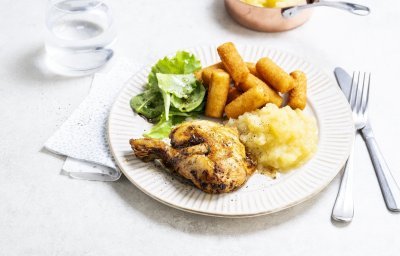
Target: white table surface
x: 45, y: 213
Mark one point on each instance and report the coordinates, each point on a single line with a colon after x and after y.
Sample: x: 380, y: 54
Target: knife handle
x: 343, y: 210
x: 390, y: 189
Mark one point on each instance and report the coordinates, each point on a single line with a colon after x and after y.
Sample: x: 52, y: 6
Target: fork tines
x: 359, y: 94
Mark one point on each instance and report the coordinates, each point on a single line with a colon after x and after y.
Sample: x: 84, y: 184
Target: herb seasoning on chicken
x: 208, y: 154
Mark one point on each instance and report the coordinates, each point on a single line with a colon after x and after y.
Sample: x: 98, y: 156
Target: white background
x: 45, y: 213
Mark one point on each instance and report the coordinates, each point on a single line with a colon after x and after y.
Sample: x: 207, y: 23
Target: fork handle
x: 343, y: 210
x: 390, y: 190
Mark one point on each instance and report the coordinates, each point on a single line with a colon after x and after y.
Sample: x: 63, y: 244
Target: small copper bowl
x: 281, y: 19
x: 263, y: 18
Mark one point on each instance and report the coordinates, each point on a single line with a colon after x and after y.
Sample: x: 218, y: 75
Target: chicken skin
x: 208, y: 154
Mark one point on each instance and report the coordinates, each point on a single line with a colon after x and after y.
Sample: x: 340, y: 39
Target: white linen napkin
x: 83, y: 137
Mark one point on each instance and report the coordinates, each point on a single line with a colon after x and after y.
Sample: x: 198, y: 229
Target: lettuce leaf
x: 192, y: 101
x: 180, y: 90
x: 167, y: 103
x: 178, y: 85
x: 148, y: 104
x: 172, y: 94
x: 182, y: 63
x: 163, y: 127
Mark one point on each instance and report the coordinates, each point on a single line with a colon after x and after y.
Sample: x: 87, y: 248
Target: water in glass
x: 79, y: 37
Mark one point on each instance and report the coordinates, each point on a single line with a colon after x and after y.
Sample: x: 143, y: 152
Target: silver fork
x: 343, y: 210
x: 390, y: 189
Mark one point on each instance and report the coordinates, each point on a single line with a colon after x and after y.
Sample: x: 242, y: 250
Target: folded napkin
x: 83, y: 137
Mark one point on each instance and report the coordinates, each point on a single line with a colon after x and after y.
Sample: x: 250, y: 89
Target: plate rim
x: 216, y: 213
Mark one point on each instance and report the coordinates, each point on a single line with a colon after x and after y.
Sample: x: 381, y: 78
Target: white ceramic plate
x: 260, y: 195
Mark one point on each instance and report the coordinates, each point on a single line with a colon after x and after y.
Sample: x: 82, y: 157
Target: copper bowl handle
x: 350, y: 7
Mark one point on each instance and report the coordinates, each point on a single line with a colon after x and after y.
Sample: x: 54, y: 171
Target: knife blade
x: 344, y: 80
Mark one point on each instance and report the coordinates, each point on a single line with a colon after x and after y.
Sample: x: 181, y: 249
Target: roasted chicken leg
x: 206, y: 153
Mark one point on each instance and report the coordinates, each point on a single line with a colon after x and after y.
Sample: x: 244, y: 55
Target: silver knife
x: 343, y: 209
x: 390, y: 189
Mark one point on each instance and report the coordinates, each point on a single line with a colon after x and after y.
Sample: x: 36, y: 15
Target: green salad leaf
x: 182, y: 63
x: 180, y: 90
x: 179, y: 85
x: 172, y: 94
x: 160, y: 130
x: 167, y: 103
x: 148, y: 104
x: 163, y: 127
x: 192, y: 101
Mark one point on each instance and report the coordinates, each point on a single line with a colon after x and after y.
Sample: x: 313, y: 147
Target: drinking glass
x: 80, y: 35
